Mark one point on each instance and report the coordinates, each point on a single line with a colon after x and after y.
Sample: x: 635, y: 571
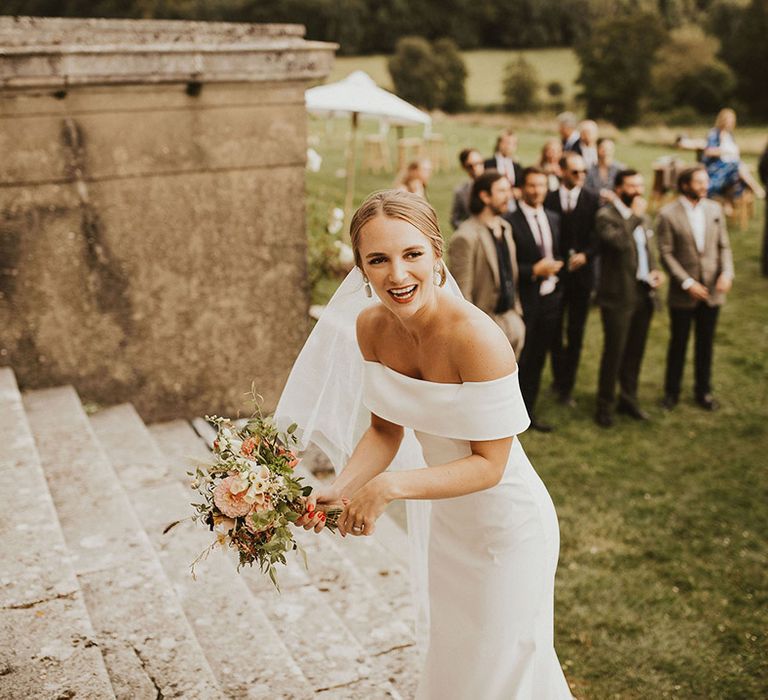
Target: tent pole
x: 351, y: 161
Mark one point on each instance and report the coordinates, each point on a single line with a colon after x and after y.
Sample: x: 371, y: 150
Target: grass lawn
x: 485, y: 69
x: 661, y: 589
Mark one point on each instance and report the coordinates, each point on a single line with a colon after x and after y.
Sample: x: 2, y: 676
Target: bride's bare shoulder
x: 478, y: 347
x: 371, y: 323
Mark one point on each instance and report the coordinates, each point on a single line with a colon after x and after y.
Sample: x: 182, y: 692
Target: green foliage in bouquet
x: 250, y: 493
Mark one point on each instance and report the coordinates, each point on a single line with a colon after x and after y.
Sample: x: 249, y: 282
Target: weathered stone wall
x: 152, y: 242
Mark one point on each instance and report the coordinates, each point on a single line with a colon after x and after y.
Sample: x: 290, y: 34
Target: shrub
x: 616, y: 59
x: 555, y: 89
x: 453, y: 74
x: 520, y: 86
x: 688, y: 73
x: 415, y: 72
x: 429, y: 75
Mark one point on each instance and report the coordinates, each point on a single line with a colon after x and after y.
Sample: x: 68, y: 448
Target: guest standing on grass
x: 504, y: 160
x: 695, y: 251
x: 537, y: 240
x: 577, y: 208
x: 483, y: 260
x: 602, y: 176
x: 763, y: 168
x: 626, y: 295
x: 471, y: 163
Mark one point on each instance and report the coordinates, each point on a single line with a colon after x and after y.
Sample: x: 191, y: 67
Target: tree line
x: 374, y: 26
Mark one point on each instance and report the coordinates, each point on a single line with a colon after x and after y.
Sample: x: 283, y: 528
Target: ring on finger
x: 358, y: 527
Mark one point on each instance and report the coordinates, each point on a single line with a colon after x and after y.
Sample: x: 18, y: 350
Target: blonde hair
x: 722, y: 115
x: 406, y: 206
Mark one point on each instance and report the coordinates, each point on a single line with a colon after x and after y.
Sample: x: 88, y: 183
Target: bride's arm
x: 482, y: 353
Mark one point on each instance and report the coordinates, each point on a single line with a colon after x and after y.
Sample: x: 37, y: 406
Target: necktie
x: 541, y: 242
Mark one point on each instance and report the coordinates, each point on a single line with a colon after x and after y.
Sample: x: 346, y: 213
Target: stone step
x: 57, y: 655
x: 244, y: 650
x: 330, y: 656
x: 149, y: 648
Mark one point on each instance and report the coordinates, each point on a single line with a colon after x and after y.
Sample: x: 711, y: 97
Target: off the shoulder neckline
x: 427, y: 381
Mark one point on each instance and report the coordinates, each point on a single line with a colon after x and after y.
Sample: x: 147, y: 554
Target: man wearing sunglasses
x: 577, y: 208
x: 472, y: 164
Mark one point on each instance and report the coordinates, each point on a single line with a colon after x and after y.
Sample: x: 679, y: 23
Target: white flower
x: 239, y: 484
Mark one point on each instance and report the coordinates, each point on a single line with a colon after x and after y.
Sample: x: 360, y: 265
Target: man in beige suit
x: 482, y: 257
x: 694, y: 248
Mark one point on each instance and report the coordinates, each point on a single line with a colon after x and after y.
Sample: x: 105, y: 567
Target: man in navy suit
x: 537, y: 241
x: 577, y: 208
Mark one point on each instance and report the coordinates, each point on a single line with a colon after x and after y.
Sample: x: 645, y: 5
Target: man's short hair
x: 483, y: 183
x: 530, y: 170
x: 685, y: 177
x: 464, y: 156
x: 623, y: 175
x: 567, y: 119
x: 506, y: 132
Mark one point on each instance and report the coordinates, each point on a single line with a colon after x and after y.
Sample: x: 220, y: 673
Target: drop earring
x: 368, y: 290
x: 437, y: 278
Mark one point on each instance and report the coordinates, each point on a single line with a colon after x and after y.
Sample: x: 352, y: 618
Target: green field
x: 661, y: 589
x: 484, y: 71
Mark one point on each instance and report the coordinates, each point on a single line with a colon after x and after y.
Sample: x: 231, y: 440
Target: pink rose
x: 230, y: 504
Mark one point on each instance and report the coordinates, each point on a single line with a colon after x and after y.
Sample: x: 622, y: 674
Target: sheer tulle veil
x: 323, y: 395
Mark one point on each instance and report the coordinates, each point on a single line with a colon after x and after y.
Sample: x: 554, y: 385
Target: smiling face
x: 399, y: 262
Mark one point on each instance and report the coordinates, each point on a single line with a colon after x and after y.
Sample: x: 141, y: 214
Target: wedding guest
x: 700, y: 268
x: 588, y: 142
x: 602, y: 175
x: 415, y: 177
x: 577, y: 207
x: 503, y: 160
x: 722, y: 158
x: 569, y: 134
x: 549, y: 162
x: 482, y: 257
x: 625, y: 292
x: 537, y: 241
x: 471, y: 163
x: 763, y: 169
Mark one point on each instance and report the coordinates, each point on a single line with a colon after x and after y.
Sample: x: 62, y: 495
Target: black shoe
x: 669, y: 401
x: 541, y: 427
x: 631, y: 410
x: 708, y: 402
x: 604, y: 419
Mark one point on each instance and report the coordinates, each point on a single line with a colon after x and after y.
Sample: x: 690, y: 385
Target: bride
x: 435, y: 364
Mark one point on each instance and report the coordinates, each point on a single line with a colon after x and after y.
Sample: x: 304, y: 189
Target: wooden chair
x: 435, y: 147
x: 409, y: 149
x: 376, y: 154
x: 665, y: 172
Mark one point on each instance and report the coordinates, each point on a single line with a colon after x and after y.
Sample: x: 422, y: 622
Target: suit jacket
x: 528, y: 254
x: 574, y: 147
x: 475, y: 264
x: 491, y: 163
x: 617, y: 287
x: 460, y: 208
x: 577, y: 231
x: 681, y: 258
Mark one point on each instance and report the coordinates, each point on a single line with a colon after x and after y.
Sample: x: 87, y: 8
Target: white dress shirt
x: 643, y: 267
x: 589, y: 154
x: 539, y: 225
x: 506, y: 166
x: 569, y: 198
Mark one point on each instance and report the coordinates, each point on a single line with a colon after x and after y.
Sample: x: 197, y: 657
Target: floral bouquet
x: 250, y: 494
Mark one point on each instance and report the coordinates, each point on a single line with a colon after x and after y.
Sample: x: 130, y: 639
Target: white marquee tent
x: 359, y: 96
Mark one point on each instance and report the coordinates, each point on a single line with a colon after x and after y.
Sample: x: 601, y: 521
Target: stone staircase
x: 95, y: 602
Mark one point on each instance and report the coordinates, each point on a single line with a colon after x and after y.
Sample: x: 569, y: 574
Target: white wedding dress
x: 492, y: 554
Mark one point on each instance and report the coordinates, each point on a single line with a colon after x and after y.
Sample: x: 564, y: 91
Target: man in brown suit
x: 625, y: 292
x: 482, y: 257
x: 695, y: 251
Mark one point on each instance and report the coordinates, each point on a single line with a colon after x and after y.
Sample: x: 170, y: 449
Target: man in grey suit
x: 482, y: 257
x: 695, y: 251
x: 626, y: 294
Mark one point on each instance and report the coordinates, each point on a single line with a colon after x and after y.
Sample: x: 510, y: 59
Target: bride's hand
x: 314, y: 517
x: 364, y: 508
